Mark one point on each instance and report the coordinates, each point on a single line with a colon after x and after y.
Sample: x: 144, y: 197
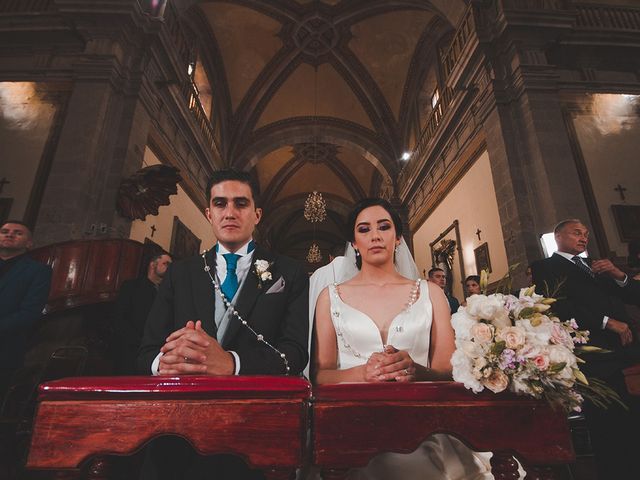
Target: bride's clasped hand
x: 389, y: 365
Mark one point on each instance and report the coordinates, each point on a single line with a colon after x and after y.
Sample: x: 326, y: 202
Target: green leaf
x: 527, y: 312
x: 498, y: 347
x: 556, y: 367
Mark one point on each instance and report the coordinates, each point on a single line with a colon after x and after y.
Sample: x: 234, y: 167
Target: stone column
x: 102, y: 138
x: 532, y: 164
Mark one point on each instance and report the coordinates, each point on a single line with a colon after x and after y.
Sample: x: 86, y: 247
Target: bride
x: 381, y: 326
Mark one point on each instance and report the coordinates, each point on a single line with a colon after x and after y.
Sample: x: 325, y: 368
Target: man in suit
x: 594, y: 293
x: 24, y: 288
x: 236, y: 309
x: 439, y: 277
x: 132, y: 307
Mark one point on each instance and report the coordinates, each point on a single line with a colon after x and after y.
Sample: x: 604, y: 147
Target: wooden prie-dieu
x: 265, y: 421
x: 261, y: 419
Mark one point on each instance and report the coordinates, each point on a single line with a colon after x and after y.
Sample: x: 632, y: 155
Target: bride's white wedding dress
x: 440, y: 456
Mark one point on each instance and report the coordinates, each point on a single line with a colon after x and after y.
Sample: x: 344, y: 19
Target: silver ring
x: 186, y: 359
x: 406, y: 371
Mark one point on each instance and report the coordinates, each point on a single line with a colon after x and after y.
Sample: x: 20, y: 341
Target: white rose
x: 262, y: 265
x: 560, y: 354
x: 463, y: 371
x: 486, y: 307
x: 462, y: 324
x: 539, y: 334
x: 264, y: 276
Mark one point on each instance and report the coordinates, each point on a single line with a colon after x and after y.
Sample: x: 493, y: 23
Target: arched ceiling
x: 314, y: 95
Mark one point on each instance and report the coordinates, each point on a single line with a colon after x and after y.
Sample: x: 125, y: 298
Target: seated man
x: 237, y: 309
x: 24, y: 288
x: 594, y: 292
x: 132, y: 307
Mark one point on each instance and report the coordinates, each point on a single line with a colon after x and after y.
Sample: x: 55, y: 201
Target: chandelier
x: 315, y: 208
x: 314, y: 255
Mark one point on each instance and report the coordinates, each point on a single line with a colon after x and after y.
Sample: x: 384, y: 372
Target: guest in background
x: 131, y: 310
x: 593, y: 293
x: 471, y: 286
x: 439, y: 277
x: 24, y: 288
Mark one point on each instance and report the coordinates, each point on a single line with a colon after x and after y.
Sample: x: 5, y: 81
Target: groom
x: 196, y: 325
x: 193, y: 327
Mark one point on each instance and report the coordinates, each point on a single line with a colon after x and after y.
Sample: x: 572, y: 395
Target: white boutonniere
x: 262, y: 271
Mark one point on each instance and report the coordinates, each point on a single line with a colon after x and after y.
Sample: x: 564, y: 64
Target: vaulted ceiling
x: 320, y: 95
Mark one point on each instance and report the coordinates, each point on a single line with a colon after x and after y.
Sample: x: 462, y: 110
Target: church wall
x: 26, y: 122
x: 608, y: 136
x: 473, y: 203
x: 182, y: 207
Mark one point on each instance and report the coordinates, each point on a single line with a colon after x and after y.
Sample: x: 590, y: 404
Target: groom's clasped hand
x: 190, y: 350
x: 390, y: 365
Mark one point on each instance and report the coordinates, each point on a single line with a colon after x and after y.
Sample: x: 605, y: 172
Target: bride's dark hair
x: 372, y: 202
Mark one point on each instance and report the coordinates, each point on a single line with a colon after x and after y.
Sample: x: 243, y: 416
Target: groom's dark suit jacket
x: 186, y: 293
x: 584, y: 298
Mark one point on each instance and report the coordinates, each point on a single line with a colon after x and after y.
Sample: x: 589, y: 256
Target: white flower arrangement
x: 262, y: 271
x: 513, y: 343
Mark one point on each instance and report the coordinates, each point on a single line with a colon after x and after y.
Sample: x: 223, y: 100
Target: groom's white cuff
x: 236, y: 359
x: 156, y: 363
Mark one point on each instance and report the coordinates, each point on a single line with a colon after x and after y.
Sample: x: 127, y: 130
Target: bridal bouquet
x: 513, y: 343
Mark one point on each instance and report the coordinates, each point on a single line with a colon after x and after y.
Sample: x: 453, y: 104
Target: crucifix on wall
x: 619, y: 188
x: 153, y: 230
x: 478, y: 232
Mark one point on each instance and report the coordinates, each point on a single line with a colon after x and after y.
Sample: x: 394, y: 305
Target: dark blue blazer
x: 24, y: 289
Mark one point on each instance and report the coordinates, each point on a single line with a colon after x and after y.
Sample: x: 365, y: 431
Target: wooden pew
x: 262, y: 419
x: 354, y: 422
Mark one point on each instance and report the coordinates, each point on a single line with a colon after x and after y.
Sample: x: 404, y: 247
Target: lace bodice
x: 359, y: 337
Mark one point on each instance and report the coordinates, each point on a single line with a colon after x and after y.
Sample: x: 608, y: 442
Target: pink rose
x: 497, y: 381
x: 482, y: 332
x: 514, y: 337
x: 541, y: 361
x: 560, y: 336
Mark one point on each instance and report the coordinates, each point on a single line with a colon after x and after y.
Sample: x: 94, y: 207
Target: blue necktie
x: 583, y: 266
x: 230, y: 285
